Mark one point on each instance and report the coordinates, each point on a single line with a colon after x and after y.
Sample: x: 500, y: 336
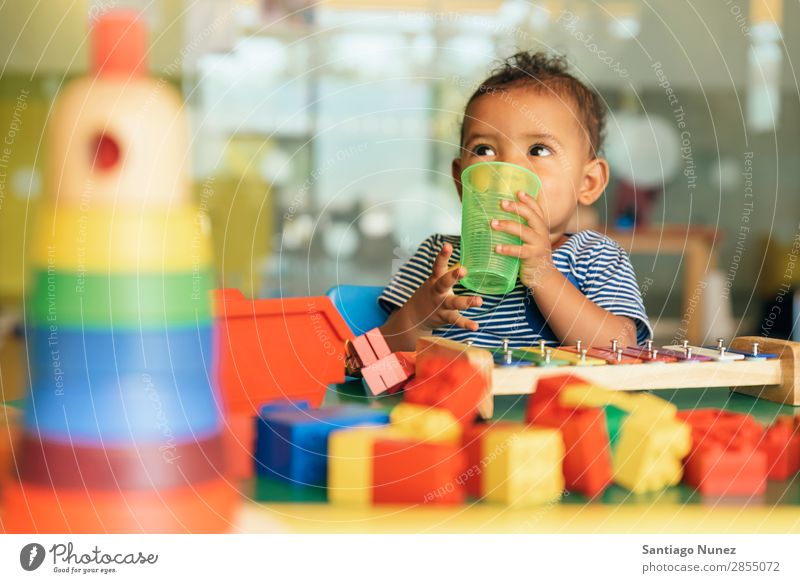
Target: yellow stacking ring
x: 71, y: 238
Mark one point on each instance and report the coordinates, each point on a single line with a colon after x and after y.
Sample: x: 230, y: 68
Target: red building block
x: 543, y: 405
x: 720, y: 419
x: 389, y: 373
x: 796, y: 444
x: 722, y: 426
x: 456, y: 386
x: 587, y: 458
x: 780, y: 443
x: 472, y: 446
x: 411, y: 472
x: 736, y: 470
x: 726, y: 458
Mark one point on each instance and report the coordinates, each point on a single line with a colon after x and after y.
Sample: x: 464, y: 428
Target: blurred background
x: 322, y: 135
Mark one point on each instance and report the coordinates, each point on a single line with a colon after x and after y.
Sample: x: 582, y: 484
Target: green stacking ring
x: 121, y: 300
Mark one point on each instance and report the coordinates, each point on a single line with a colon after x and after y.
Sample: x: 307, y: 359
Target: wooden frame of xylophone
x: 776, y: 379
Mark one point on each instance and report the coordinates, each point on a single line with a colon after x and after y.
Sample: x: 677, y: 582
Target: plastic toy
x: 370, y: 357
x: 425, y: 423
x: 350, y: 463
x: 587, y: 458
x: 407, y: 471
x: 292, y: 445
x: 524, y: 465
x: 368, y: 348
x: 286, y: 348
x: 649, y: 453
x: 240, y: 443
x: 472, y: 446
x: 450, y: 352
x: 733, y: 469
x: 240, y: 436
x: 123, y: 432
x: 779, y: 444
x: 459, y: 388
x: 390, y: 373
x: 725, y: 458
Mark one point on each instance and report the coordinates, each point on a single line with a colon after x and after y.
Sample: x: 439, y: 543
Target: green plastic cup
x: 484, y: 185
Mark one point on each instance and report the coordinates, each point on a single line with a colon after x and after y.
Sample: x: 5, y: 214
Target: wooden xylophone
x: 764, y: 368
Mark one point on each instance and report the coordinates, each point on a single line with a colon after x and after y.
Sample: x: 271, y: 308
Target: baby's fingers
x: 440, y: 263
x: 461, y: 303
x: 445, y: 283
x: 460, y: 321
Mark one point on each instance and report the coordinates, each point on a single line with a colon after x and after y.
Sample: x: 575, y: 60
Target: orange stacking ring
x: 108, y: 239
x: 204, y: 507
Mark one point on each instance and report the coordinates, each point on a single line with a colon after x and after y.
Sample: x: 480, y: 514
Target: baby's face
x: 537, y: 130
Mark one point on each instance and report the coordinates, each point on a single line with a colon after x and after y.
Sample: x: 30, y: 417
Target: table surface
x: 273, y: 507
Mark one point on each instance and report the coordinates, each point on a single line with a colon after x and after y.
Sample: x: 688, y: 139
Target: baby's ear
x: 595, y: 180
x: 455, y: 169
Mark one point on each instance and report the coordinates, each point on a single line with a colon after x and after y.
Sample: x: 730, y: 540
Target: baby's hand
x: 434, y: 304
x: 535, y: 253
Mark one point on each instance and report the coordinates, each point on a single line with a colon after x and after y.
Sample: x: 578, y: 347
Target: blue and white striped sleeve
x: 411, y: 275
x: 611, y: 284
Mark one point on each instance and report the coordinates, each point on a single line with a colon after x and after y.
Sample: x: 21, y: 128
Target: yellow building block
x: 586, y: 395
x: 350, y: 463
x: 649, y: 453
x: 522, y: 466
x: 649, y: 406
x: 426, y: 423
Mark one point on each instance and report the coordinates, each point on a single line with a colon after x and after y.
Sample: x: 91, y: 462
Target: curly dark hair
x: 548, y: 72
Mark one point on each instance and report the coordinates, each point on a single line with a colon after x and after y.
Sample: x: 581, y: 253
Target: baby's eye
x: 483, y: 150
x: 540, y: 150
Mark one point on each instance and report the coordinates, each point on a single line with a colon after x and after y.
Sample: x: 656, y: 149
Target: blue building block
x: 292, y: 444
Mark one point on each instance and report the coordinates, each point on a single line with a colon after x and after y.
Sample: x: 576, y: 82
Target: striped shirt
x: 592, y: 262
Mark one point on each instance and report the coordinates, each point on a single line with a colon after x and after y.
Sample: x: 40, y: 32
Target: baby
x: 572, y: 286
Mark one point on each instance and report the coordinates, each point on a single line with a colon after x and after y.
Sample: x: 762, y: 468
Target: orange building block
x: 472, y: 442
x: 780, y: 443
x: 284, y: 348
x: 406, y: 471
x: 587, y: 458
x: 714, y: 469
x: 456, y: 386
x: 726, y: 458
x: 796, y: 444
x: 724, y: 425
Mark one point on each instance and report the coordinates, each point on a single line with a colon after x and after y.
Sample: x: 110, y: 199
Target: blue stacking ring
x: 162, y: 349
x: 92, y: 407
